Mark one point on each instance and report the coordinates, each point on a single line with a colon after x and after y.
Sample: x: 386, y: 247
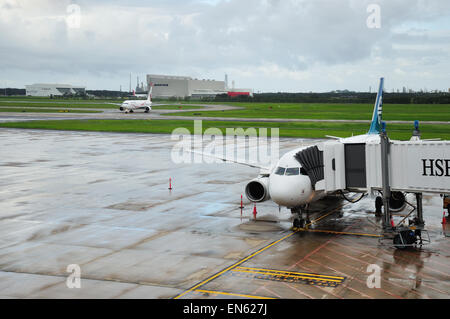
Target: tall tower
x: 226, y: 81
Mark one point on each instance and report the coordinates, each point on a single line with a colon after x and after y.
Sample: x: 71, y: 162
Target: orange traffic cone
x: 444, y: 220
x: 392, y: 222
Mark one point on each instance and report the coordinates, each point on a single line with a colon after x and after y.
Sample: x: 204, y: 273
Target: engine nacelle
x: 257, y: 190
x: 397, y: 202
x: 121, y: 108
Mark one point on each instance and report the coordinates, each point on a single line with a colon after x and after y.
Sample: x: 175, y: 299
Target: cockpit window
x: 292, y: 171
x: 280, y: 171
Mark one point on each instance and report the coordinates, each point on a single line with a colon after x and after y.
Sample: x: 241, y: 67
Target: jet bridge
x: 371, y: 163
x: 414, y: 166
x: 374, y: 164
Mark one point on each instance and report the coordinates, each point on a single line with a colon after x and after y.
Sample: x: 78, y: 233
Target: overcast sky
x: 270, y: 46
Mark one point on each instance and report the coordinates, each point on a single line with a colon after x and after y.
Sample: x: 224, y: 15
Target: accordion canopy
x: 311, y: 159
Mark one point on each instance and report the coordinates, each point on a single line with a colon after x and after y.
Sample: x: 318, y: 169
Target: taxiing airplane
x: 129, y: 106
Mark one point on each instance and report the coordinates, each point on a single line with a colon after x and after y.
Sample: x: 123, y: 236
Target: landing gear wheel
x: 131, y: 111
x: 299, y: 223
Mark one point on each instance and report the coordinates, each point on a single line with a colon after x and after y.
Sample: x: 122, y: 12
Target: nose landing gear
x: 299, y: 220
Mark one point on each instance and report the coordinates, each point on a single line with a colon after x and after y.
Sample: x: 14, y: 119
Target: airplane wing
x: 333, y: 137
x: 241, y: 162
x: 114, y: 104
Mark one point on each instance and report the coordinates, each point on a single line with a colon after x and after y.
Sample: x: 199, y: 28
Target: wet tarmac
x: 101, y: 201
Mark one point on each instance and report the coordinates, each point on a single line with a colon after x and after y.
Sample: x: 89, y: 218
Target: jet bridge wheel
x: 404, y: 239
x: 378, y: 206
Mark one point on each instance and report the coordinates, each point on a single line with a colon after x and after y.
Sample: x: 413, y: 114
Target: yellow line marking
x: 291, y: 272
x: 291, y: 276
x: 336, y: 232
x: 323, y: 216
x: 235, y: 265
x: 248, y: 257
x: 231, y: 294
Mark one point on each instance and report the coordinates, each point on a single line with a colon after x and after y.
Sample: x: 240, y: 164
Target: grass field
x: 407, y: 112
x: 39, y: 110
x: 87, y: 104
x: 176, y: 107
x: 61, y: 104
x: 47, y: 99
x: 305, y: 129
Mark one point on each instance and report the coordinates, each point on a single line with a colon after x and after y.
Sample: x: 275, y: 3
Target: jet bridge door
x: 355, y: 165
x: 334, y: 167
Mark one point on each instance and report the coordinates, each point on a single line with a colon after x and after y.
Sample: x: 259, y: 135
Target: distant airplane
x: 129, y: 106
x: 139, y: 95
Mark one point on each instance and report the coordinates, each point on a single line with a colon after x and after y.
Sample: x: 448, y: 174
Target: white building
x: 43, y: 89
x: 166, y: 86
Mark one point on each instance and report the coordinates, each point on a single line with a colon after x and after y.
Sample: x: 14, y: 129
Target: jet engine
x: 121, y: 108
x: 147, y: 109
x: 257, y: 190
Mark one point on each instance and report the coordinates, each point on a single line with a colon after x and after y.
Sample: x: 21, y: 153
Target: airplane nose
x: 290, y: 191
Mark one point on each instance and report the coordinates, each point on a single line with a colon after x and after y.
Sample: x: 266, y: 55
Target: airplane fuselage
x: 289, y: 185
x: 131, y: 105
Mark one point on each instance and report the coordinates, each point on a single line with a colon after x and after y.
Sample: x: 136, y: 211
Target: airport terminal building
x: 42, y: 89
x: 166, y: 86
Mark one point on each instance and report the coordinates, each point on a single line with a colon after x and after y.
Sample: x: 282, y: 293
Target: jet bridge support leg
x: 420, y: 221
x: 384, y: 140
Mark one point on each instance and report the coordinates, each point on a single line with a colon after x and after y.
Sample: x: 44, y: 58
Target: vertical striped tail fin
x: 375, y: 126
x: 149, y: 96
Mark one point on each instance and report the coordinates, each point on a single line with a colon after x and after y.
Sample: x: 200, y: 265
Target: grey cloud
x: 181, y: 36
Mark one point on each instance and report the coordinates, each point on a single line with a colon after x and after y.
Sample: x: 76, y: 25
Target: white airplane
x: 290, y: 183
x: 139, y: 95
x: 129, y: 106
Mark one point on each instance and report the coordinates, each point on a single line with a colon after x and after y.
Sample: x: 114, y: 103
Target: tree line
x: 390, y: 98
x: 280, y: 97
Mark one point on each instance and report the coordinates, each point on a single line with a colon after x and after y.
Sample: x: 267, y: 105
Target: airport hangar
x: 168, y: 86
x: 43, y: 89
